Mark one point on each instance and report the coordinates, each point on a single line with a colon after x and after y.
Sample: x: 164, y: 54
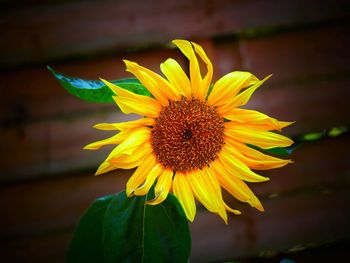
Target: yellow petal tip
x: 90, y: 146
x: 260, y: 207
x: 129, y: 193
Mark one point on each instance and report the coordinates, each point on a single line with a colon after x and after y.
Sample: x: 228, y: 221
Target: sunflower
x: 193, y: 137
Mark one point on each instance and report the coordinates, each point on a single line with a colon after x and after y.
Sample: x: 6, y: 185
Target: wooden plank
x: 317, y: 165
x: 51, y: 247
x: 303, y: 55
x: 226, y: 58
x: 315, y: 105
x: 39, y: 33
x: 43, y: 206
x: 289, y: 223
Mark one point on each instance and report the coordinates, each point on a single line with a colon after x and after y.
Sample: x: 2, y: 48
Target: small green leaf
x: 96, y: 90
x: 120, y: 229
x: 87, y: 245
x: 336, y: 131
x: 310, y: 137
x: 136, y: 232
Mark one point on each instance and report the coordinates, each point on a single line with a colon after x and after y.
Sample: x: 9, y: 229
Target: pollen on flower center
x: 187, y: 135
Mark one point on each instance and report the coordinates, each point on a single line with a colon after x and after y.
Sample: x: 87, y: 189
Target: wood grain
x: 39, y: 33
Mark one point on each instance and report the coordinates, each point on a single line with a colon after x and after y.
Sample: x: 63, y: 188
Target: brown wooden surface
x: 36, y: 33
x: 47, y: 179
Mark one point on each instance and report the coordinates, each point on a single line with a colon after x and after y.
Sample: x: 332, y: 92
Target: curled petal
x: 239, y: 100
x: 196, y: 78
x: 156, y: 84
x: 177, y: 77
x: 151, y: 177
x: 206, y: 81
x: 162, y: 187
x: 229, y: 85
x: 140, y: 175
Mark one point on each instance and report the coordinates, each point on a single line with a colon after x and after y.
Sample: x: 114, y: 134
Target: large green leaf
x: 96, y: 90
x: 121, y: 229
x: 87, y: 243
x: 135, y: 232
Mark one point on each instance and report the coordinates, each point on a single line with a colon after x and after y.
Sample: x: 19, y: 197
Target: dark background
x: 47, y: 179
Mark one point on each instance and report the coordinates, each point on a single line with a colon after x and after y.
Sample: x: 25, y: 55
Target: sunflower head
x: 191, y: 141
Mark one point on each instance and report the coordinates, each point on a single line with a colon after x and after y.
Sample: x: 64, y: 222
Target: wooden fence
x: 46, y: 178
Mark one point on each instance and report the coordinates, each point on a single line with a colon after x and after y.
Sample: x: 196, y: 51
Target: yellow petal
x: 215, y: 184
x: 253, y: 158
x: 240, y: 169
x: 205, y: 83
x: 196, y: 79
x: 130, y: 102
x: 124, y: 163
x: 156, y: 84
x: 233, y: 211
x: 128, y: 147
x: 183, y: 192
x: 213, y: 187
x: 177, y: 77
x: 131, y: 143
x: 115, y: 139
x: 125, y: 125
x: 234, y: 185
x: 229, y: 85
x: 152, y: 175
x: 162, y: 187
x: 241, y: 99
x: 255, y: 119
x: 260, y: 138
x: 140, y: 174
x: 104, y: 168
x: 145, y: 107
x: 284, y: 124
x: 200, y: 190
x: 133, y: 160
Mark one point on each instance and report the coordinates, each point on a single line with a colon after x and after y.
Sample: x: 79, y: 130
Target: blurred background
x: 47, y: 179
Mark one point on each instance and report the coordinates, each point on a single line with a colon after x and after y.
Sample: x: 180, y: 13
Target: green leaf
x: 96, y: 90
x: 282, y: 151
x: 135, y: 232
x: 310, y: 137
x: 121, y: 229
x: 87, y: 243
x: 337, y: 131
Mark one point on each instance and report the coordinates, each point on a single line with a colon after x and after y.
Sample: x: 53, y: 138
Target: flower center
x: 187, y: 135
